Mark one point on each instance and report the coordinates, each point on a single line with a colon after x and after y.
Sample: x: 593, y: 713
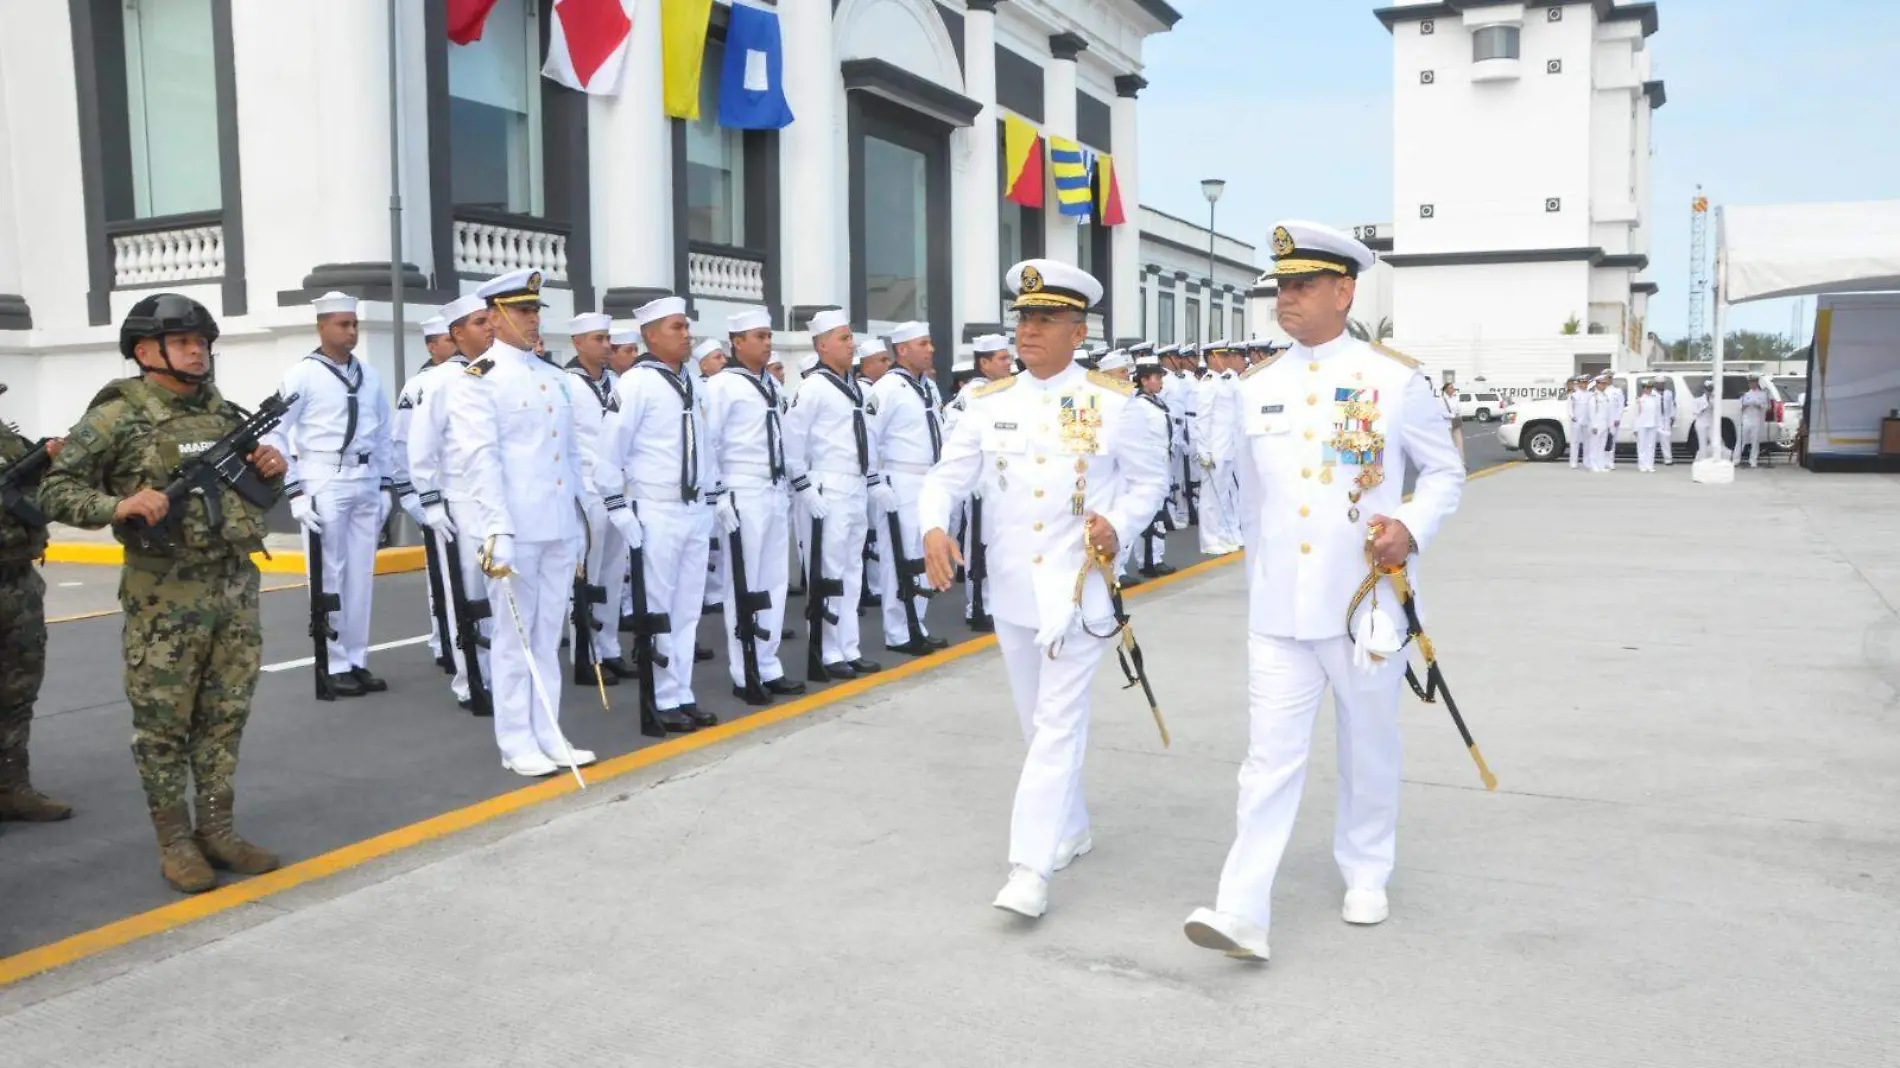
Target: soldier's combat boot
x: 220, y: 842
x: 18, y: 799
x: 178, y: 857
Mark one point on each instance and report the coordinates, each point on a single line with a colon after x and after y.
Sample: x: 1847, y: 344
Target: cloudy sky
x: 1770, y: 101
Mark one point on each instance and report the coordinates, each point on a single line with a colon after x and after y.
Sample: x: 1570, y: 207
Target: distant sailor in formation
x: 606, y: 552
x: 990, y: 361
x: 336, y: 438
x: 906, y: 439
x: 1579, y: 404
x: 513, y: 449
x: 1070, y: 469
x: 441, y: 351
x: 1328, y: 427
x: 1150, y: 377
x: 1648, y: 423
x: 1754, y: 405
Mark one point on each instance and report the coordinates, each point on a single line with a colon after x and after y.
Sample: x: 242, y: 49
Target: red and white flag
x: 587, y: 45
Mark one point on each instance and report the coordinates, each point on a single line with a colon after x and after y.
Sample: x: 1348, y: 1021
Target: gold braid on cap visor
x: 1047, y: 299
x: 1303, y: 266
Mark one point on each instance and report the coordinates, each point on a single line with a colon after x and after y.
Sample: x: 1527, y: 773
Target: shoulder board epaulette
x: 1395, y: 354
x: 479, y: 367
x: 988, y: 388
x: 1261, y: 366
x: 1108, y: 381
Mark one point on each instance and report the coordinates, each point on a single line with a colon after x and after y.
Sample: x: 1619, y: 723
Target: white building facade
x: 1520, y: 238
x: 240, y: 152
x: 1180, y: 303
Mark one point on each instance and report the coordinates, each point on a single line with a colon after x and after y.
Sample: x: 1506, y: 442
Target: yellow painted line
x: 393, y: 560
x: 186, y: 910
x: 197, y: 907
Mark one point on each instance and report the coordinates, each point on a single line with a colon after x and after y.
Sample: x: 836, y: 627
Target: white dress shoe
x: 1239, y: 938
x: 1072, y: 848
x: 582, y: 757
x: 533, y: 765
x: 1365, y: 906
x: 1026, y: 893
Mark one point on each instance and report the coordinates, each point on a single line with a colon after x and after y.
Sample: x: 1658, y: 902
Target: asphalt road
x: 314, y: 776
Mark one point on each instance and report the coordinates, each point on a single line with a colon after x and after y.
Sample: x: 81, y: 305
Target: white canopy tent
x: 1787, y: 250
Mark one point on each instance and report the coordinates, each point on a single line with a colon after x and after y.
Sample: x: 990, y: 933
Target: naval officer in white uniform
x: 335, y: 437
x: 1326, y: 432
x: 1060, y: 454
x: 441, y: 350
x: 513, y: 450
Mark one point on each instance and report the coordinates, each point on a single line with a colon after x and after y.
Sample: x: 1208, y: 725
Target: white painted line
x: 75, y: 585
x: 303, y: 662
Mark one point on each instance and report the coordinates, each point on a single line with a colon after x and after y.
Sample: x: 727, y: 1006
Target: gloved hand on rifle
x: 435, y: 516
x: 628, y: 525
x: 304, y: 511
x: 883, y: 497
x: 727, y: 511
x: 411, y: 503
x: 812, y: 500
x: 384, y: 500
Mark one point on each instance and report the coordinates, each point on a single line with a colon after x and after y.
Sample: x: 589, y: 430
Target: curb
x: 389, y: 561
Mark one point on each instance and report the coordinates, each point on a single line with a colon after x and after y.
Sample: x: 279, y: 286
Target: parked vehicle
x: 1482, y: 405
x: 1541, y: 429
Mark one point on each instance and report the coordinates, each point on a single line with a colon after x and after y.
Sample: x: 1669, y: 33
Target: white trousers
x: 1750, y: 443
x: 1579, y: 435
x: 1593, y: 459
x: 606, y: 568
x: 1178, y: 483
x: 843, y: 558
x: 896, y: 624
x: 1705, y: 439
x: 764, y: 515
x: 676, y: 537
x: 527, y: 720
x: 1285, y: 681
x: 1052, y: 706
x: 714, y: 590
x: 1609, y: 447
x: 347, y: 508
x: 1646, y: 448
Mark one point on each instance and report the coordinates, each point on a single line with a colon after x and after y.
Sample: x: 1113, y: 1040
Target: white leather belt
x: 839, y: 472
x: 905, y: 468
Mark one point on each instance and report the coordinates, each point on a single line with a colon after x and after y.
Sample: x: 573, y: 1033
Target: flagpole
x: 396, y: 329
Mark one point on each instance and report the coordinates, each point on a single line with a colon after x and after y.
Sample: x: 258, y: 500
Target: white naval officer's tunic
x: 1023, y: 443
x: 606, y: 550
x: 512, y: 454
x: 335, y: 439
x: 1305, y: 556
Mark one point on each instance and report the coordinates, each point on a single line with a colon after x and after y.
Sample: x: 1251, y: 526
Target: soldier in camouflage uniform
x: 193, y: 640
x: 22, y: 648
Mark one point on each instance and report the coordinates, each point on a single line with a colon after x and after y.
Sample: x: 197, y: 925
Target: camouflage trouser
x: 22, y: 651
x: 193, y: 643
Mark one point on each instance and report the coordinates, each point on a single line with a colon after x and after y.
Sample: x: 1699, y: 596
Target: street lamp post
x: 1211, y: 188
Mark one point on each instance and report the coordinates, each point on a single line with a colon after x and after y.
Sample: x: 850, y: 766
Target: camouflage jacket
x: 18, y: 542
x: 132, y: 437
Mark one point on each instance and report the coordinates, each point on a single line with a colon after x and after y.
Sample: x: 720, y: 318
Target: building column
x: 809, y: 169
x: 1125, y: 251
x: 1058, y: 116
x: 630, y: 180
x: 979, y: 207
x: 14, y: 313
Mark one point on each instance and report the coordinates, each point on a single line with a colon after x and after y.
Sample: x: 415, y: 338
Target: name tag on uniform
x: 1004, y: 437
x: 1267, y: 419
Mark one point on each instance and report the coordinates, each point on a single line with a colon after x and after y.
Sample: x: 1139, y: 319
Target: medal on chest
x: 1355, y: 443
x: 1079, y: 424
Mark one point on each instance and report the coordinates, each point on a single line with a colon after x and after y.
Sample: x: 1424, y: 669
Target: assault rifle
x: 19, y: 485
x: 222, y: 463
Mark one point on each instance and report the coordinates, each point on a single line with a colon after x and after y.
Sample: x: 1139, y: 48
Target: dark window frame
x: 871, y: 115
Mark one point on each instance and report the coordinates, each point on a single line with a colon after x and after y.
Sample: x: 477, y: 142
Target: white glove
x: 814, y: 502
x: 628, y: 525
x: 412, y: 507
x: 884, y: 497
x: 728, y: 512
x: 436, y: 517
x: 304, y: 511
x: 1206, y: 461
x: 383, y: 504
x: 594, y: 510
x: 1374, y: 638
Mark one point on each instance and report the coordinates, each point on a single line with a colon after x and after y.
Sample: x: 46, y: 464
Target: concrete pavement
x: 1691, y: 859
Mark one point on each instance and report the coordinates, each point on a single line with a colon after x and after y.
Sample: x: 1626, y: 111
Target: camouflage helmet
x: 162, y: 314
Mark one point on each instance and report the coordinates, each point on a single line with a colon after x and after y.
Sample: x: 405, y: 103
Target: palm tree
x: 1364, y: 333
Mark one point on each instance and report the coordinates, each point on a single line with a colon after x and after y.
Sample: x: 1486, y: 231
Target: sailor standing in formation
x: 990, y: 361
x: 1071, y: 470
x: 1579, y: 402
x: 828, y: 452
x: 1149, y: 380
x: 606, y: 571
x: 513, y: 450
x: 441, y: 351
x: 336, y: 439
x: 1328, y: 428
x: 906, y: 439
x: 440, y: 497
x: 745, y: 431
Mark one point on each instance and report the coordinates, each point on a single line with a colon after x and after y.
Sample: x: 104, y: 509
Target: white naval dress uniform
x: 745, y: 431
x: 606, y: 549
x: 1011, y: 445
x: 433, y: 481
x: 400, y: 423
x: 1599, y: 429
x: 968, y: 510
x: 1179, y: 393
x: 657, y: 440
x: 1666, y: 436
x: 907, y: 438
x: 1152, y: 549
x: 335, y: 439
x: 1704, y: 410
x: 514, y: 458
x: 1580, y: 440
x: 1305, y: 555
x: 828, y: 443
x: 1754, y: 424
x: 1214, y: 437
x: 1617, y: 403
x: 1648, y: 417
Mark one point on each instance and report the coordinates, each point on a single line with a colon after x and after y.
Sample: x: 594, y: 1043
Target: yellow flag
x: 683, y: 26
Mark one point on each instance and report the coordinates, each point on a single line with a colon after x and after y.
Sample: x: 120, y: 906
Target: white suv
x: 1541, y: 429
x: 1483, y: 406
